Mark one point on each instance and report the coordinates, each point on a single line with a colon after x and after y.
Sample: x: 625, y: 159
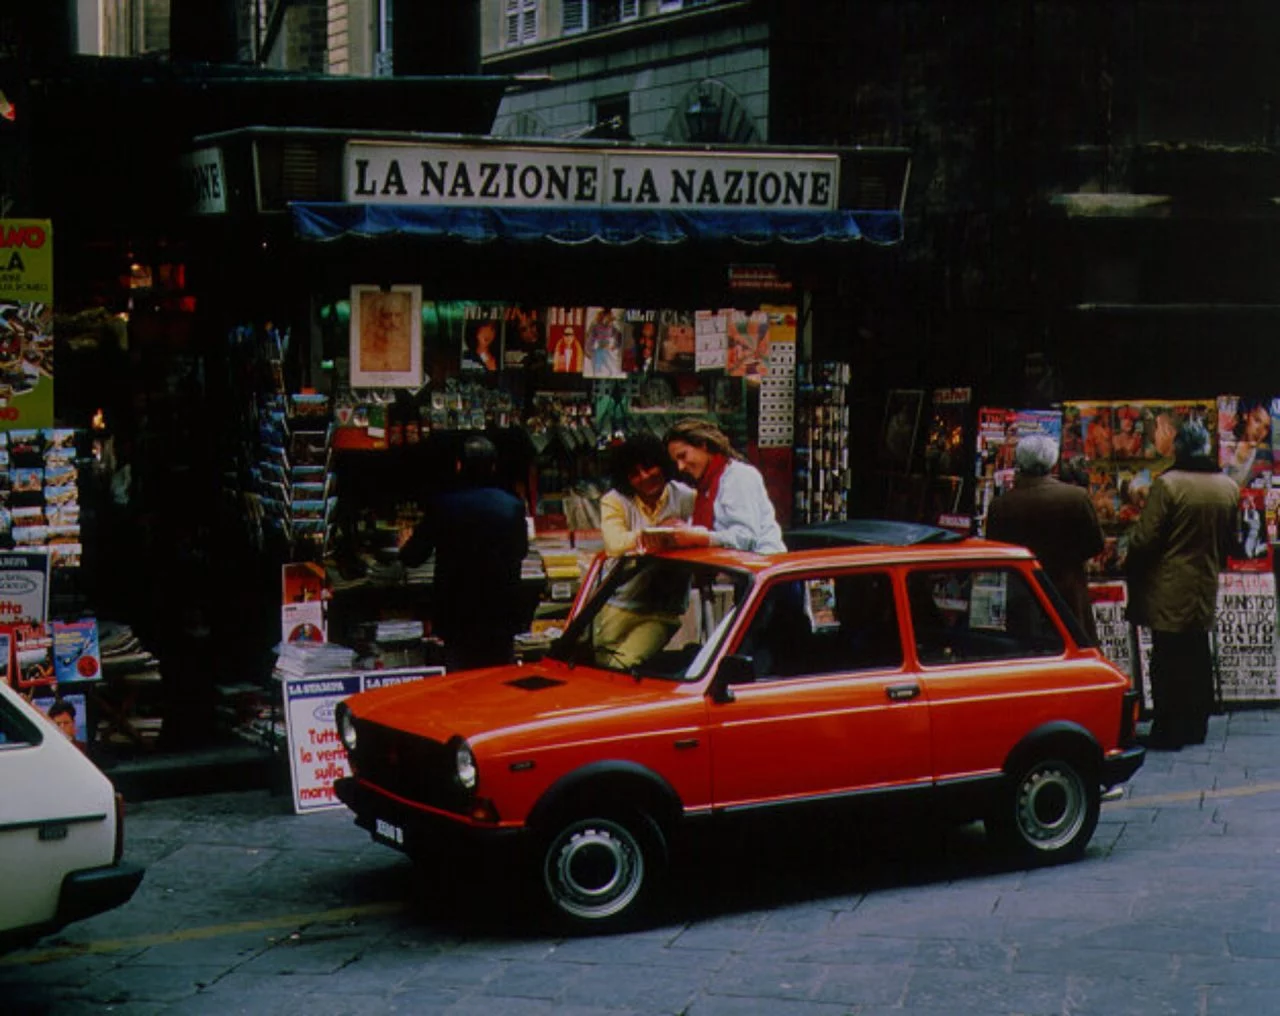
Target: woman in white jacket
x: 731, y: 507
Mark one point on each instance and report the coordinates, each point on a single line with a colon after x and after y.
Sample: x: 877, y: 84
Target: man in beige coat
x: 1055, y: 520
x: 1178, y: 547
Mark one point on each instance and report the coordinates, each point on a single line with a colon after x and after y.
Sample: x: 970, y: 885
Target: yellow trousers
x: 624, y: 638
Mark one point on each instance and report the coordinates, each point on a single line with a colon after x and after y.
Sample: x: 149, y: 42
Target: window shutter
x: 628, y: 9
x: 521, y: 22
x: 574, y: 17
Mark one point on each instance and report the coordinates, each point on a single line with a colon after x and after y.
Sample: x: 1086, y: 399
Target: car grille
x: 415, y: 768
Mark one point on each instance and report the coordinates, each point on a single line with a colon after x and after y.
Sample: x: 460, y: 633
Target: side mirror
x: 732, y: 670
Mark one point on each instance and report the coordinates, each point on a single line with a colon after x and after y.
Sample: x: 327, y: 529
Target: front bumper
x: 1118, y: 768
x: 419, y: 832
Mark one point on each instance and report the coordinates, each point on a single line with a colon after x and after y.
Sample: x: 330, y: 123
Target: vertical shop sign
x: 1110, y: 602
x: 316, y: 755
x: 1246, y: 636
x: 26, y: 323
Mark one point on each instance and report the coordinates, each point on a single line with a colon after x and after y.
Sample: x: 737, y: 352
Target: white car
x: 61, y: 829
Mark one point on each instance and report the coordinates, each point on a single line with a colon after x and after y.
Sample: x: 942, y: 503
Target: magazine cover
x: 76, y: 656
x: 524, y: 338
x: 1126, y: 432
x: 602, y: 349
x: 69, y: 713
x: 677, y: 348
x: 997, y: 439
x: 565, y: 329
x: 1104, y: 492
x: 1244, y: 439
x: 640, y: 341
x: 711, y: 339
x: 1133, y: 484
x: 748, y: 343
x: 1095, y: 428
x: 1251, y: 533
x: 482, y: 337
x: 33, y: 656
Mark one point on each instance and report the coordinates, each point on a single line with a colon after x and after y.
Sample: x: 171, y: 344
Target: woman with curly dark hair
x: 643, y: 496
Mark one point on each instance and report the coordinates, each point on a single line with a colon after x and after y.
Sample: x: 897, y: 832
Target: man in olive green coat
x: 1055, y: 520
x: 1176, y: 550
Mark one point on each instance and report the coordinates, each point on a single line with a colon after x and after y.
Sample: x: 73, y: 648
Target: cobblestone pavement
x: 248, y: 908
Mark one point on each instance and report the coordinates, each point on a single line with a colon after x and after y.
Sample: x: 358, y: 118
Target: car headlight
x: 346, y: 727
x: 465, y: 765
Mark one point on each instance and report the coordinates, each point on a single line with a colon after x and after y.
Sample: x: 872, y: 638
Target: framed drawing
x: 386, y: 336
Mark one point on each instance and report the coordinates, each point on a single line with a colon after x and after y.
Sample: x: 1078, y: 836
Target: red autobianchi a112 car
x: 883, y: 660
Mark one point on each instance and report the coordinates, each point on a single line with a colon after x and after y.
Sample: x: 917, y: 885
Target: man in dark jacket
x: 479, y: 536
x: 1176, y: 550
x: 1055, y: 520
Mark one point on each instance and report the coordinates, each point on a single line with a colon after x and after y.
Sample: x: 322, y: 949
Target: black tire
x: 601, y: 871
x: 1048, y: 811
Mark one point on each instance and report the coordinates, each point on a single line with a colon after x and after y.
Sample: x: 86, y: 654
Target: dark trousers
x: 1181, y: 686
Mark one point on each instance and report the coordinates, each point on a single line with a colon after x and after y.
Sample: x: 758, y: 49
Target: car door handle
x: 902, y: 692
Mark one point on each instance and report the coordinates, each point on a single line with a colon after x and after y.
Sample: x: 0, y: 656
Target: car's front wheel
x: 601, y: 871
x: 1048, y: 811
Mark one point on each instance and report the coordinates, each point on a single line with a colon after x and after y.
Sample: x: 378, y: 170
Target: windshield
x: 655, y: 617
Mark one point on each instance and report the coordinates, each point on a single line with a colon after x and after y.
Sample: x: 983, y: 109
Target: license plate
x: 384, y: 830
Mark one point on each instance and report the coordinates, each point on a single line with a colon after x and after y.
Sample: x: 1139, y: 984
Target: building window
x: 678, y: 5
x: 521, y: 22
x: 613, y: 118
x: 584, y: 15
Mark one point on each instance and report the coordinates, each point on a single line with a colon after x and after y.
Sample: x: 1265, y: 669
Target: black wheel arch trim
x: 571, y: 784
x: 1035, y: 743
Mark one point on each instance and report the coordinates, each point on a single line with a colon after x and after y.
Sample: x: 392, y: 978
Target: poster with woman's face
x: 482, y: 338
x: 386, y: 337
x: 524, y: 337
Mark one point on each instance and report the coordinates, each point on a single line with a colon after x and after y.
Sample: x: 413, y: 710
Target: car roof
x: 965, y: 549
x: 866, y: 532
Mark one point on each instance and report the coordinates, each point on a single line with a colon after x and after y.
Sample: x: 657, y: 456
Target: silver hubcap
x: 1051, y: 806
x: 594, y: 869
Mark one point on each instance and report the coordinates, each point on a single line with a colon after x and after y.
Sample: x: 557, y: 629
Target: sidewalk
x: 248, y: 908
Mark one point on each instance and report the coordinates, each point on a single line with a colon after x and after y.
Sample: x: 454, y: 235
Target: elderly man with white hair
x: 1180, y: 543
x: 1055, y: 520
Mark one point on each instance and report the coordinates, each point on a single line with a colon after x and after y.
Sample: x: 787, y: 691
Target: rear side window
x: 966, y: 615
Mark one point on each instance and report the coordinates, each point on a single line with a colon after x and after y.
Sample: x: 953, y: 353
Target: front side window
x: 654, y: 617
x: 824, y: 624
x: 967, y: 615
x: 521, y: 22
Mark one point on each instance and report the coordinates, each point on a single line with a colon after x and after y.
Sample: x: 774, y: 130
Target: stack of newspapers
x: 302, y: 659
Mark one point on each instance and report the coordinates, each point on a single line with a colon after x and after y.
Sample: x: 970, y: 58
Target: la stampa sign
x: 470, y: 176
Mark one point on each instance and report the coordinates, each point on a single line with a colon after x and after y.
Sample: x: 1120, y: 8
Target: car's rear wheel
x: 601, y: 871
x: 1049, y: 810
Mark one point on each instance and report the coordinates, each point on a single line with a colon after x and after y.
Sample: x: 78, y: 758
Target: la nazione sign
x: 471, y: 176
